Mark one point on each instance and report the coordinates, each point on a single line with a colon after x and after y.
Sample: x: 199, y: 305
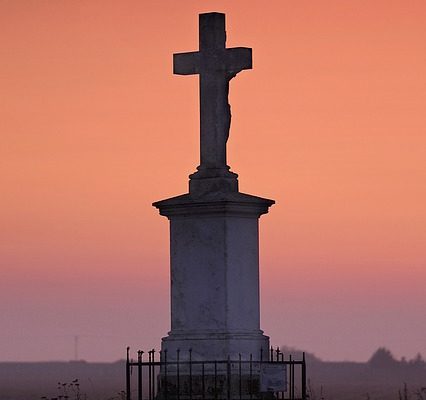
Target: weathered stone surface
x: 214, y: 257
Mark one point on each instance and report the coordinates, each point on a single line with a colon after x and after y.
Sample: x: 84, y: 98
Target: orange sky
x: 94, y: 127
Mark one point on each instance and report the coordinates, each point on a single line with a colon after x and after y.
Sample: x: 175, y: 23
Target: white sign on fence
x: 273, y: 378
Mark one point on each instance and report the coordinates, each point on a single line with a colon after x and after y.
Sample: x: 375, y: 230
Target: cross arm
x: 238, y: 58
x: 186, y: 63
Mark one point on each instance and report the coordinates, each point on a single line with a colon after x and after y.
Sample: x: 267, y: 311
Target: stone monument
x: 214, y: 235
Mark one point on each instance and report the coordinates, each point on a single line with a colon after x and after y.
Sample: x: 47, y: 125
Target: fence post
x: 292, y: 382
x: 303, y: 377
x: 149, y: 375
x: 128, y: 374
x: 140, y: 375
x: 290, y: 377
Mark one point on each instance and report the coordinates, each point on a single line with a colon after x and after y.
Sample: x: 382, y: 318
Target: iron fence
x: 161, y: 377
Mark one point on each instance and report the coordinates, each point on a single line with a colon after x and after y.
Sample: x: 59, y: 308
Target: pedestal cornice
x: 214, y: 204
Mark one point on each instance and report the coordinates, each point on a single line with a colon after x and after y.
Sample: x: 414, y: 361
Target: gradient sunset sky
x: 94, y: 127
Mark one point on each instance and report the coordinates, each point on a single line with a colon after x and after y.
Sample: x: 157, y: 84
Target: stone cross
x: 216, y: 66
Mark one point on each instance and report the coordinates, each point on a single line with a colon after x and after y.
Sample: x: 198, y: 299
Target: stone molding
x: 233, y: 204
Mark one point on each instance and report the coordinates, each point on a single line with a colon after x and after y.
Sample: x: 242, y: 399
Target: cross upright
x: 216, y: 65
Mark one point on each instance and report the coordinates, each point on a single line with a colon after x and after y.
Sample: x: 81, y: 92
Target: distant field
x: 382, y: 378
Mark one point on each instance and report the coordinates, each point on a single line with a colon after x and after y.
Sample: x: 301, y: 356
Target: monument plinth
x: 214, y: 235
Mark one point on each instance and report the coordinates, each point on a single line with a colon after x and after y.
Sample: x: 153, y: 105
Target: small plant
x: 421, y: 393
x: 119, y: 396
x: 311, y: 395
x: 406, y: 395
x: 68, y: 391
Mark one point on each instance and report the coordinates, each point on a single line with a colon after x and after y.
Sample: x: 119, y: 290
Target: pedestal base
x: 216, y: 346
x: 211, y: 387
x: 212, y: 367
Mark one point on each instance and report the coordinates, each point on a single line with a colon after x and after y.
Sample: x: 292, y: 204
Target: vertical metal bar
x: 215, y: 379
x: 128, y: 375
x: 303, y: 377
x: 177, y: 371
x: 290, y: 378
x: 142, y: 352
x: 190, y: 374
x: 166, y: 386
x: 149, y: 375
x: 282, y: 360
x: 153, y: 374
x: 271, y: 355
x: 228, y: 377
x: 202, y: 381
x: 159, y: 378
x: 139, y: 375
x: 251, y: 376
x: 239, y: 375
x: 277, y: 359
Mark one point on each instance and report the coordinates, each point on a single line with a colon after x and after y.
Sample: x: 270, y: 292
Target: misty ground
x: 382, y: 377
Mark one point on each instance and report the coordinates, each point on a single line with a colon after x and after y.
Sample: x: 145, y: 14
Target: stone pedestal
x: 214, y: 253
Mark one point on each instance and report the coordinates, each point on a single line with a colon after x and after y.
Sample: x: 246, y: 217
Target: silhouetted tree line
x: 384, y: 358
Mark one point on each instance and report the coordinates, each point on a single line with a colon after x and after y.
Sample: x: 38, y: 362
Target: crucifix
x: 216, y: 65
